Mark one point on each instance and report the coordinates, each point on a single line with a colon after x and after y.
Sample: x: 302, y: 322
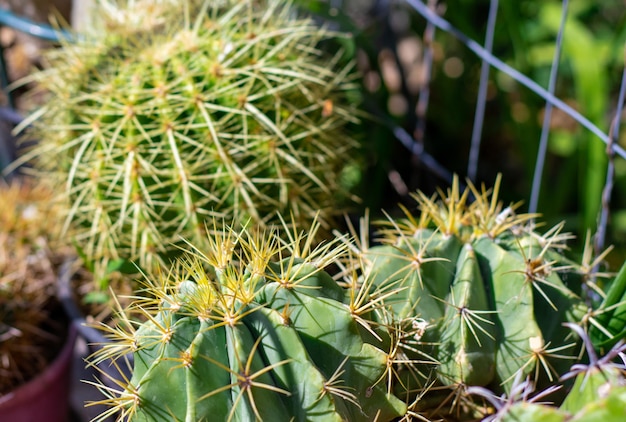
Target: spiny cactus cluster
x: 252, y: 328
x: 224, y: 110
x: 466, y: 296
x: 480, y: 296
x: 596, y: 397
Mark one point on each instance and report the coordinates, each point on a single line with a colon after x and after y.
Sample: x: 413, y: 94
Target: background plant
x: 206, y: 110
x: 423, y: 83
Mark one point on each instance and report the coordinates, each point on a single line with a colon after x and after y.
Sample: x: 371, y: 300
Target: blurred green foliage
x: 390, y: 42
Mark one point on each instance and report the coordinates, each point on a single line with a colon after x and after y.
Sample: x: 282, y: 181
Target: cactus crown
x: 452, y: 213
x: 481, y: 294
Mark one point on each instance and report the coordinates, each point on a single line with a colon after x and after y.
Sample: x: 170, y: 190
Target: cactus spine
x: 208, y: 109
x: 252, y: 329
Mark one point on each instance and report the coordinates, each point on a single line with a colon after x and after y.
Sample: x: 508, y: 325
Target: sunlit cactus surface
x: 481, y: 295
x: 252, y: 328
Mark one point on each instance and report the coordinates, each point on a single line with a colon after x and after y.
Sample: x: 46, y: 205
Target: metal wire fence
x: 439, y: 33
x: 489, y: 60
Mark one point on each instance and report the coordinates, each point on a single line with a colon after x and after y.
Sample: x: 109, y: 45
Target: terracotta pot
x: 46, y: 397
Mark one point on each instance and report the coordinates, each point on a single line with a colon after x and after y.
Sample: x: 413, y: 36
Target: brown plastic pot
x: 45, y: 397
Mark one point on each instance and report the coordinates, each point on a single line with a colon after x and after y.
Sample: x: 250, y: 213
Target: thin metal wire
x: 424, y: 93
x: 610, y: 173
x: 417, y: 150
x: 30, y: 27
x: 547, y: 117
x: 488, y: 60
x: 479, y: 117
x: 475, y: 47
x: 414, y: 143
x: 27, y: 26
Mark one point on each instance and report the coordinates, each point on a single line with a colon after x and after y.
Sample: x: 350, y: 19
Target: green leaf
x: 123, y: 266
x: 97, y: 297
x: 612, y: 315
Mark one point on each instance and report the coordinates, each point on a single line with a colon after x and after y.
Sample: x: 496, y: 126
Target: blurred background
x: 421, y: 89
x: 426, y: 82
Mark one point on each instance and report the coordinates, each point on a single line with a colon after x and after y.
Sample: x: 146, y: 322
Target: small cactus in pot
x: 222, y: 110
x: 32, y: 324
x: 252, y: 328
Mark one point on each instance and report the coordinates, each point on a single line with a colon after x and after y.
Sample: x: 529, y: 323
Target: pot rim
x: 46, y: 379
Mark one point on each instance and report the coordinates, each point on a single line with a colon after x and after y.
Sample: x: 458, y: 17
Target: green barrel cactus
x: 251, y: 329
x: 480, y: 295
x: 201, y: 109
